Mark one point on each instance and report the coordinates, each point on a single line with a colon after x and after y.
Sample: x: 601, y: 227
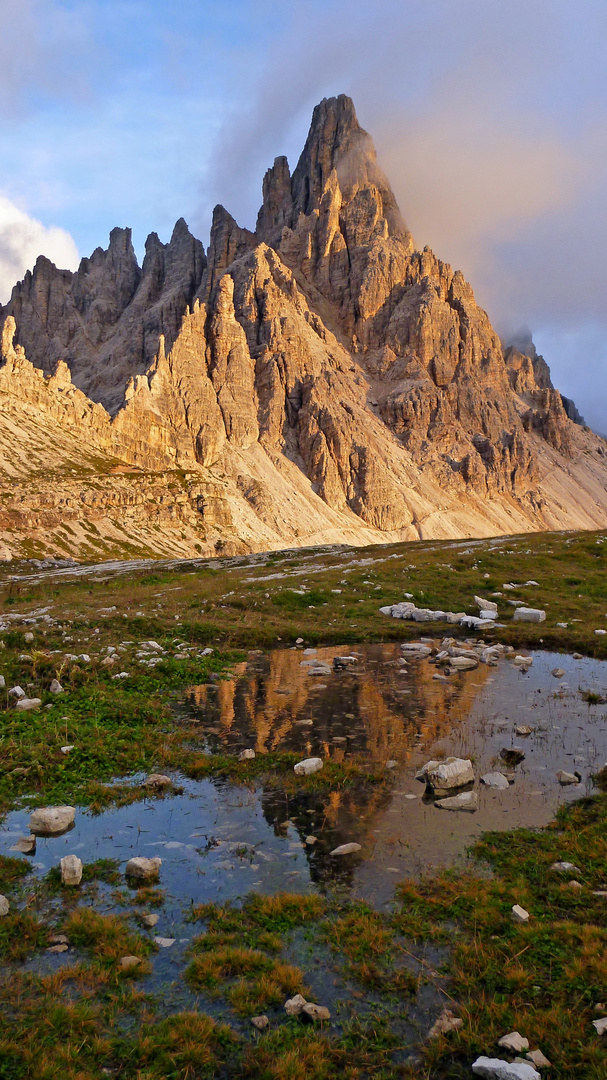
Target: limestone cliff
x: 319, y: 380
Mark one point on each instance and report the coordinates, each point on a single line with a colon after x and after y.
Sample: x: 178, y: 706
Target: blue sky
x: 490, y: 118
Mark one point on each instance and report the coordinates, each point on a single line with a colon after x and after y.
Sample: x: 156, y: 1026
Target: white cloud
x: 23, y: 239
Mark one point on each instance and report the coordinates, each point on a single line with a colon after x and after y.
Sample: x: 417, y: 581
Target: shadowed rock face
x: 340, y: 382
x: 105, y: 320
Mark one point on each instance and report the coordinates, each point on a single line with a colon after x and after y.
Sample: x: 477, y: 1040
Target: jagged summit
x: 319, y: 380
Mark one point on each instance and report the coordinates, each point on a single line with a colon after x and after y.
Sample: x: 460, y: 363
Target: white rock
x: 55, y: 687
x: 26, y: 704
x: 308, y: 766
x: 527, y: 614
x: 538, y: 1059
x: 514, y: 1041
x: 519, y: 914
x: 260, y: 1022
x: 246, y: 755
x: 315, y: 1012
x: 600, y: 631
x: 71, y: 870
x: 4, y: 905
x: 26, y: 845
x: 496, y: 1069
x: 143, y: 869
x: 485, y: 605
x: 558, y: 672
x: 495, y: 780
x: 294, y: 1005
x: 523, y: 661
x: 600, y: 1025
x: 2, y: 682
x: 466, y: 800
x: 565, y: 778
x: 346, y: 849
x: 52, y: 820
x: 449, y: 774
x: 165, y: 942
x: 463, y: 663
x: 565, y: 868
x: 29, y: 637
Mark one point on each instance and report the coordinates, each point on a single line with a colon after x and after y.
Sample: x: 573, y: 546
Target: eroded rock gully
x: 319, y: 380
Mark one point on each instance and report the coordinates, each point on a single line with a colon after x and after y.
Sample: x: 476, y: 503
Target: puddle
x: 219, y: 842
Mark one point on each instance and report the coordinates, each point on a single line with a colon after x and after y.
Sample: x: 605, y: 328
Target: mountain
x: 319, y: 380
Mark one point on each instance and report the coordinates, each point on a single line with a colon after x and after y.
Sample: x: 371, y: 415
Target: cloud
x: 23, y: 239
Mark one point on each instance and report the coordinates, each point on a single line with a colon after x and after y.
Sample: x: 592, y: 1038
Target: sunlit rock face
x: 319, y: 380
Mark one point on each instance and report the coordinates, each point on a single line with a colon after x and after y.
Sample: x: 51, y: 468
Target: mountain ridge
x: 319, y: 380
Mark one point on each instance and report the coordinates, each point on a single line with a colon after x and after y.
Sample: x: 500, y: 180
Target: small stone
x: 143, y: 869
x: 246, y: 755
x: 466, y: 800
x: 391, y: 764
x: 576, y: 886
x: 495, y: 780
x: 29, y: 637
x: 345, y: 849
x: 67, y: 749
x: 523, y: 729
x: 149, y: 920
x: 58, y: 939
x: 600, y: 1025
x: 71, y: 870
x: 26, y: 845
x: 315, y: 1012
x: 446, y: 1022
x: 512, y: 755
x: 565, y: 778
x: 308, y: 766
x: 497, y: 1069
x: 4, y: 905
x: 26, y: 704
x: 157, y: 781
x: 558, y: 672
x: 519, y: 914
x: 523, y: 661
x: 447, y: 775
x: 577, y: 656
x: 260, y: 1022
x: 514, y: 1041
x: 565, y: 868
x: 294, y: 1005
x: 311, y: 840
x: 16, y: 692
x: 299, y: 641
x: 55, y: 687
x: 538, y: 1059
x: 127, y: 963
x: 165, y: 942
x: 57, y: 948
x: 52, y: 820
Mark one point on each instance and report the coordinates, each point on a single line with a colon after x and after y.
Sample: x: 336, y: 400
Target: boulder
x: 142, y: 869
x: 527, y: 614
x: 496, y: 1069
x: 52, y: 820
x: 308, y: 766
x: 71, y: 870
x: 448, y: 775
